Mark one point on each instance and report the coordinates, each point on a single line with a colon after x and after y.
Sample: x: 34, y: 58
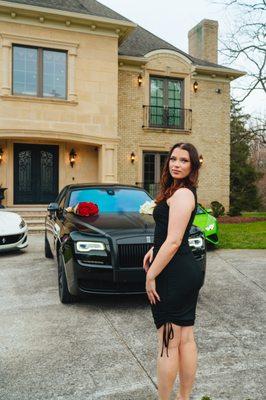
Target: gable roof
x: 90, y: 7
x: 138, y: 43
x: 141, y: 42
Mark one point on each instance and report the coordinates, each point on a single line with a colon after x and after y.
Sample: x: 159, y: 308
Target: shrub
x: 217, y: 209
x: 234, y: 210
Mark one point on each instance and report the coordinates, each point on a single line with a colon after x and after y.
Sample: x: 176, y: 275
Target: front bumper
x: 104, y: 279
x: 16, y: 241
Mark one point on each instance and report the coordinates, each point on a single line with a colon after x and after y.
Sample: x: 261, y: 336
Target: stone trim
x: 56, y: 135
x: 7, y: 42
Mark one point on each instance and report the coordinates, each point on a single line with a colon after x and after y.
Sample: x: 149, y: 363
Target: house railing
x: 151, y: 188
x: 167, y: 118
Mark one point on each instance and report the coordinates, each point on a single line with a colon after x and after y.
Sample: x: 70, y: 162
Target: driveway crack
x: 242, y: 273
x: 121, y: 338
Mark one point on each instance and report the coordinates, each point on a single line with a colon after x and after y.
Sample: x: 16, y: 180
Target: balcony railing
x: 167, y: 118
x: 151, y: 188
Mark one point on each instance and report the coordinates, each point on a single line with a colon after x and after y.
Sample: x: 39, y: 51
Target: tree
x: 246, y: 43
x: 243, y: 175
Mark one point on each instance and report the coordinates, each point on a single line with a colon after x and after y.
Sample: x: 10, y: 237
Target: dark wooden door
x: 35, y: 173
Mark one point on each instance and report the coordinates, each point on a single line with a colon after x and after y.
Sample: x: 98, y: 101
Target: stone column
x: 6, y: 51
x: 108, y: 163
x: 72, y: 54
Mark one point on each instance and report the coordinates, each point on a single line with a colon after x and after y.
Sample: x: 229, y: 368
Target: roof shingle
x: 138, y: 43
x: 91, y: 7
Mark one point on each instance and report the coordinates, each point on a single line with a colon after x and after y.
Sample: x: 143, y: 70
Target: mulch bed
x: 226, y: 219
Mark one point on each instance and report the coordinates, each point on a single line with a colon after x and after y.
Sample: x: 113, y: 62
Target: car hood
x: 117, y: 224
x: 9, y: 223
x: 114, y: 223
x: 203, y: 220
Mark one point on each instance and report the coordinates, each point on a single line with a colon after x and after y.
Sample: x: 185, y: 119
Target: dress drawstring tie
x: 168, y: 334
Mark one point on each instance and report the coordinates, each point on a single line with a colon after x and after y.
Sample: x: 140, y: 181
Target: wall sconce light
x: 140, y: 80
x: 195, y: 86
x: 1, y: 154
x: 132, y: 157
x: 72, y: 156
x: 201, y: 159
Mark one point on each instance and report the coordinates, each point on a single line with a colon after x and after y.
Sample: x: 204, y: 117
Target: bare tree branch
x: 246, y: 45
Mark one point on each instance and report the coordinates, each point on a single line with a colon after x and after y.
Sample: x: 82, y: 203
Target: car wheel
x: 64, y: 295
x: 47, y: 249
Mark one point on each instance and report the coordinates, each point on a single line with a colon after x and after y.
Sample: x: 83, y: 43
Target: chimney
x: 203, y: 40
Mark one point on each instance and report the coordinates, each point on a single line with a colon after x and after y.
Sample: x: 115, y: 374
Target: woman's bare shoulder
x: 183, y: 194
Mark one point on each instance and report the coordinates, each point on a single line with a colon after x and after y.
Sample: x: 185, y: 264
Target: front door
x: 35, y: 173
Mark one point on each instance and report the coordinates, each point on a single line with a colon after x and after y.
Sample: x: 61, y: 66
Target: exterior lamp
x: 1, y: 154
x: 132, y: 157
x: 72, y: 156
x: 195, y: 86
x: 201, y: 159
x: 140, y: 79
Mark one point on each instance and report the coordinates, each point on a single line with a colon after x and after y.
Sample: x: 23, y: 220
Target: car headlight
x: 196, y: 242
x: 22, y: 223
x: 209, y: 227
x: 89, y: 246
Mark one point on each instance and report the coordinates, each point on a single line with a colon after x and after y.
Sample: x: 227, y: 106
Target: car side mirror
x: 52, y: 209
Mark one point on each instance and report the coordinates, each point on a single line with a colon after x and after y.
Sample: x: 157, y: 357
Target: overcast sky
x: 172, y: 19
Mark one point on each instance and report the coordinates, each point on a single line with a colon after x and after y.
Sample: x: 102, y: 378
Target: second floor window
x: 39, y: 72
x: 166, y: 102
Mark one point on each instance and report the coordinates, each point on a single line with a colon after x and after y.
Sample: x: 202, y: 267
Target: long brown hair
x: 167, y: 183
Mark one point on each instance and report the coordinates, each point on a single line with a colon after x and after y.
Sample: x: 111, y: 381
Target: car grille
x: 198, y: 255
x: 131, y: 255
x: 10, y: 239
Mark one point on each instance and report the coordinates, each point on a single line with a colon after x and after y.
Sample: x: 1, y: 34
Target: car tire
x: 64, y: 295
x: 47, y: 249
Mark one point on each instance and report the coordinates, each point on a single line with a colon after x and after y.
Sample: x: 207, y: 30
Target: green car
x: 208, y: 224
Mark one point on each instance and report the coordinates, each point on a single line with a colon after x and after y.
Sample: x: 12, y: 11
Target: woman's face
x: 179, y: 163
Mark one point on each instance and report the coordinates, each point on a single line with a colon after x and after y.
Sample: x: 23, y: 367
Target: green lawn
x: 250, y: 235
x: 254, y: 214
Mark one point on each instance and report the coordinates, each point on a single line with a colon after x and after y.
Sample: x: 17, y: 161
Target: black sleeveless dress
x: 179, y: 282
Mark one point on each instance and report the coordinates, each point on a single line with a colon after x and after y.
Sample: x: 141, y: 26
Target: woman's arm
x: 181, y: 205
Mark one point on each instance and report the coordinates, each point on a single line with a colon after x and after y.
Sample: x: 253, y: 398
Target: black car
x: 104, y: 253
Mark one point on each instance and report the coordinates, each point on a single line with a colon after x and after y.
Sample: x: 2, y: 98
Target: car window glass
x: 200, y: 210
x: 61, y: 196
x: 111, y: 200
x: 61, y: 204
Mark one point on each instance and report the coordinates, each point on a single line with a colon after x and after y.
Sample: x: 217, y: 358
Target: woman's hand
x: 151, y: 289
x: 148, y: 259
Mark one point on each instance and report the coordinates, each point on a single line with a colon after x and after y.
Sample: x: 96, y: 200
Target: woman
x: 174, y: 279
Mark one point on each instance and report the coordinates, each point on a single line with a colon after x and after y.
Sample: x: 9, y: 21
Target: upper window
x: 166, y: 102
x: 39, y: 72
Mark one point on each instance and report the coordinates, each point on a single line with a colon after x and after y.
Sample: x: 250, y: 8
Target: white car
x: 13, y: 231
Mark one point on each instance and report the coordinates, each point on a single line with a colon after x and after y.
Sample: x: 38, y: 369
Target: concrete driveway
x: 105, y: 347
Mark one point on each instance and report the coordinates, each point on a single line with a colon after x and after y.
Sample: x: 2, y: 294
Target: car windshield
x: 112, y: 200
x: 200, y: 210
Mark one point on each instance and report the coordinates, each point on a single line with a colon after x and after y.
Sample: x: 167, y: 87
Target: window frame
x: 40, y: 50
x: 165, y: 108
x: 165, y: 91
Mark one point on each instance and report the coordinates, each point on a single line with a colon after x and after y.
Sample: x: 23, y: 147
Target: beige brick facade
x: 210, y: 126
